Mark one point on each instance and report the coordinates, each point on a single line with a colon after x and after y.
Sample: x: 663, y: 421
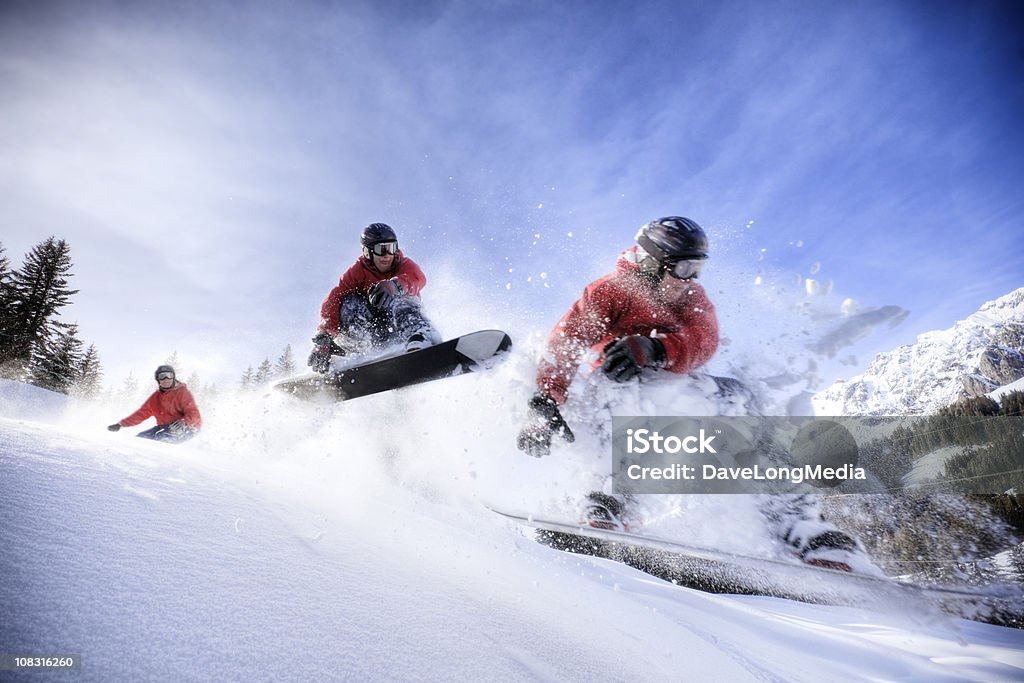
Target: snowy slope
x: 920, y: 378
x: 24, y: 400
x: 291, y: 542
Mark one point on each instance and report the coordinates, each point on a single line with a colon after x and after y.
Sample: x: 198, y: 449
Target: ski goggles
x: 164, y: 375
x: 684, y: 270
x: 383, y: 248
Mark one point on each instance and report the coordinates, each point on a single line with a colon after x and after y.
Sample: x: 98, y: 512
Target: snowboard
x: 717, y: 571
x: 468, y: 353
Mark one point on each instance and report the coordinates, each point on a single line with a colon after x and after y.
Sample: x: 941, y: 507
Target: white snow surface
x: 930, y: 467
x: 351, y: 542
x: 24, y: 400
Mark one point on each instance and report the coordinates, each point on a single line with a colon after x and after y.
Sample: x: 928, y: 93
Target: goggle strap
x: 651, y: 248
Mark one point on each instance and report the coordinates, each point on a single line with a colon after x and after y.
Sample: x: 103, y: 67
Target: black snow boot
x: 603, y: 511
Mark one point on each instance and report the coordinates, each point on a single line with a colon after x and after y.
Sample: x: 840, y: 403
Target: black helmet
x: 161, y: 370
x: 375, y: 233
x: 676, y: 244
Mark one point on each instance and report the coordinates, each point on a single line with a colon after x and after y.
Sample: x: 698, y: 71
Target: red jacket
x: 623, y: 303
x: 167, y: 406
x: 359, y: 277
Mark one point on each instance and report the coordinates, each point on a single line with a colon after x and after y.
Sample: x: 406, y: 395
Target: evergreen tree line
x: 251, y: 380
x: 922, y: 531
x: 997, y: 461
x: 1009, y: 507
x: 266, y: 371
x: 36, y: 346
x: 989, y: 434
x: 200, y: 390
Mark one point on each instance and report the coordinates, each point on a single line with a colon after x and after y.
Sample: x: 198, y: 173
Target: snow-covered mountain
x: 973, y: 357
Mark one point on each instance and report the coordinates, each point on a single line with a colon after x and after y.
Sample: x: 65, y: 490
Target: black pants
x: 364, y: 328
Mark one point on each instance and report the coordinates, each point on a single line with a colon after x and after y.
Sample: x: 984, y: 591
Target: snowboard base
x: 468, y: 353
x: 716, y: 571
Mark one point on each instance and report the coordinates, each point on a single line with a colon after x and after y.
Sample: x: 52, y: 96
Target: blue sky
x: 212, y: 164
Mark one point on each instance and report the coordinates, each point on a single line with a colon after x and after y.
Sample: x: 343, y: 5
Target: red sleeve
x: 585, y: 324
x: 605, y: 311
x: 187, y: 405
x: 354, y: 280
x: 696, y: 341
x: 145, y: 412
x: 411, y: 277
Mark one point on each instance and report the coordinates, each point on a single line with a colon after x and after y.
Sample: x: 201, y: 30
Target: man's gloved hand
x: 177, y: 427
x: 115, y: 427
x: 543, y: 422
x: 323, y: 348
x: 382, y: 293
x: 626, y: 357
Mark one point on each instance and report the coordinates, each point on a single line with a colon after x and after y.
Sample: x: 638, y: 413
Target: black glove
x: 382, y: 293
x: 626, y: 357
x: 323, y: 348
x: 115, y: 427
x: 543, y: 422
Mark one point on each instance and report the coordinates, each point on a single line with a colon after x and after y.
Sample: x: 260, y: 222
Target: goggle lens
x: 164, y: 375
x: 685, y: 270
x: 382, y: 248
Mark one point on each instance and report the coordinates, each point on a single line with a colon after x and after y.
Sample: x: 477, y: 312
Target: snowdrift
x: 291, y: 541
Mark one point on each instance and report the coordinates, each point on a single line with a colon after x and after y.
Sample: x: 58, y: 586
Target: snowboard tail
x: 468, y: 353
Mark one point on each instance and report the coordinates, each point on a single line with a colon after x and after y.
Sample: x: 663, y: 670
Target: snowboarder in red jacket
x: 646, y: 316
x: 375, y: 303
x: 172, y: 404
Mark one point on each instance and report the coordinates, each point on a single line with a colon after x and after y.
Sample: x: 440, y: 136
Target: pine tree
x: 6, y: 296
x: 285, y: 366
x: 247, y: 379
x: 5, y: 270
x: 130, y: 386
x: 56, y: 363
x: 263, y: 372
x: 33, y: 297
x: 5, y: 274
x: 1012, y: 404
x: 90, y: 374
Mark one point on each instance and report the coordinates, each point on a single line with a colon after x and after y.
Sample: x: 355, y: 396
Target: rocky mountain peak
x: 975, y: 356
